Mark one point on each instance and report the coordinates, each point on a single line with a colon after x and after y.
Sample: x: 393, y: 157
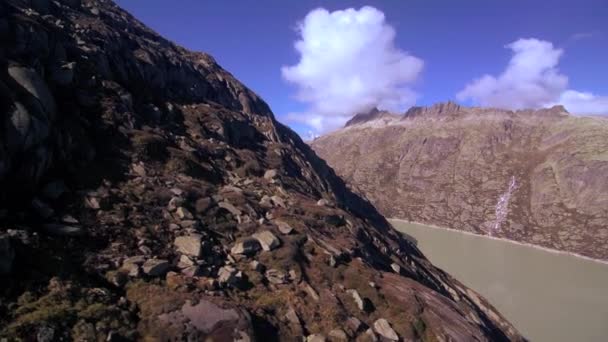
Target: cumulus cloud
x: 532, y: 80
x: 349, y: 64
x: 584, y: 102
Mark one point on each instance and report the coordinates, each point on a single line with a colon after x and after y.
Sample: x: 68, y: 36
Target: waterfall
x: 502, y: 208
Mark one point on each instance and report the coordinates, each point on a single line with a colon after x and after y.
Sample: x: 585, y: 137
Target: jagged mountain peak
x: 372, y: 115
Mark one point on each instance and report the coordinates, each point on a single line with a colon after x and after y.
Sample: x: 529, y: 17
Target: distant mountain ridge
x: 449, y: 165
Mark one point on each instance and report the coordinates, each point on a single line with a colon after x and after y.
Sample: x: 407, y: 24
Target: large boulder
x: 210, y: 321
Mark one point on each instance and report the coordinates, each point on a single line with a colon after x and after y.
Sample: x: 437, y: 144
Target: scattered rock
x: 266, y: 202
x: 315, y: 338
x: 267, y: 240
x: 396, y: 268
x: 184, y: 214
x: 92, y: 203
x: 270, y: 174
x: 364, y: 304
x: 311, y: 291
x: 278, y: 201
x: 257, y: 266
x: 202, y: 205
x: 175, y: 203
x: 338, y: 335
x: 332, y: 261
x: 156, y: 267
x: 189, y: 245
x: 185, y: 261
x: 284, y: 227
x: 383, y: 328
x: 246, y: 246
x: 369, y: 335
x: 7, y: 255
x: 231, y: 208
x: 323, y: 202
x: 275, y: 276
x: 132, y: 269
x: 354, y: 324
x: 228, y: 275
x: 194, y: 271
x: 62, y: 230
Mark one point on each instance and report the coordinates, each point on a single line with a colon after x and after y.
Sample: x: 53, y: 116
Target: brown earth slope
x: 148, y: 195
x: 537, y: 177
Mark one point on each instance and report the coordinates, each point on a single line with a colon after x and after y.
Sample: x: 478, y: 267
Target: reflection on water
x: 547, y: 296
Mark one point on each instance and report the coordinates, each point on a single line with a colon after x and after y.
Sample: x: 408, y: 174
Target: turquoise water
x: 547, y: 296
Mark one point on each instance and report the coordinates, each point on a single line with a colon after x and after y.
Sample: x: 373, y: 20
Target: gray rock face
x: 189, y: 245
x: 156, y: 267
x: 246, y: 246
x: 384, y: 329
x: 7, y: 255
x: 29, y: 79
x: 267, y: 240
x: 449, y: 166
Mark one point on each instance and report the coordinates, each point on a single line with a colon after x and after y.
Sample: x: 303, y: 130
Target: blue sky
x: 457, y: 42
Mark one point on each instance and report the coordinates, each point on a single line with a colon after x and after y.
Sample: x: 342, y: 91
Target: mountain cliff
x: 148, y: 195
x: 538, y: 177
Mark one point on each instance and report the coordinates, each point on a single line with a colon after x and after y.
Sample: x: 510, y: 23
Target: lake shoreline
x: 526, y: 244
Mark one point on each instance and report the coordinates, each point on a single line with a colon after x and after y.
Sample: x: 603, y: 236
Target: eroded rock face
x: 164, y: 157
x: 539, y: 177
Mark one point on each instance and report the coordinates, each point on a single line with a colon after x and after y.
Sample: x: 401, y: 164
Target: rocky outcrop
x: 149, y: 195
x: 538, y: 177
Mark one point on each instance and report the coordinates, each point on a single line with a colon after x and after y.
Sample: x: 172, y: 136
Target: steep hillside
x: 148, y: 195
x: 538, y: 177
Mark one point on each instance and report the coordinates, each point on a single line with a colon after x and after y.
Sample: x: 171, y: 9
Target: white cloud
x: 532, y: 80
x: 584, y: 103
x: 349, y: 64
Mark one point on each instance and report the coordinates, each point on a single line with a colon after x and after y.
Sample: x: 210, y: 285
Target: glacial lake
x: 548, y: 296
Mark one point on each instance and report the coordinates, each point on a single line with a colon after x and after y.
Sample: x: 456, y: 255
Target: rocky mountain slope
x: 538, y: 177
x: 149, y: 195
